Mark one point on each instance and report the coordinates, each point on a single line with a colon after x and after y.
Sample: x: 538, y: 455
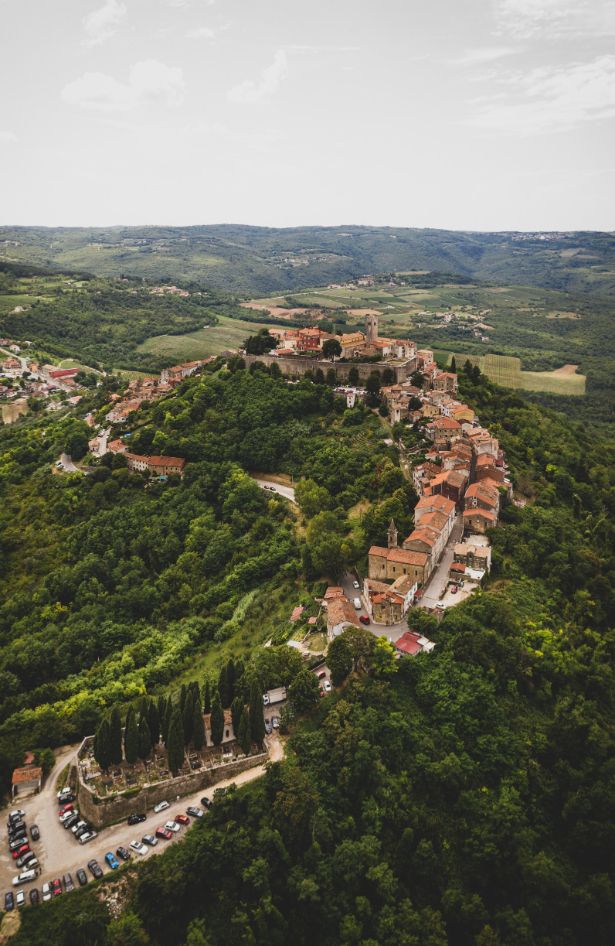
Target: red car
x: 182, y: 819
x: 454, y: 590
x: 363, y: 618
x: 64, y: 809
x: 20, y: 850
x: 56, y: 887
x: 164, y: 833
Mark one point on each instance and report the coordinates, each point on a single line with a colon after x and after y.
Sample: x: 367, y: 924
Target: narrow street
x: 439, y: 577
x: 286, y: 491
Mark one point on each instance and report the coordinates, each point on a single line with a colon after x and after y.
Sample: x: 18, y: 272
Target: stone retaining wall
x: 104, y: 811
x: 295, y: 367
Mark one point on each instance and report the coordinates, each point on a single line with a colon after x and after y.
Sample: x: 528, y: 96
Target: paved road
x: 439, y: 578
x: 59, y: 852
x: 392, y: 631
x: 286, y: 491
x: 67, y: 464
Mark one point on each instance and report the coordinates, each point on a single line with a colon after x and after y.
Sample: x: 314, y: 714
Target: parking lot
x: 58, y: 852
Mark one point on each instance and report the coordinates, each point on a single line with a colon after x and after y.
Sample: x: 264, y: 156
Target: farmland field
x: 228, y: 333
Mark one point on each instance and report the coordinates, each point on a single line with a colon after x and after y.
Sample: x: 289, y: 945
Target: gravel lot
x: 59, y: 852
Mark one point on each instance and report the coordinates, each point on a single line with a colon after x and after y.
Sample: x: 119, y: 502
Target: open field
x: 228, y: 333
x: 507, y: 372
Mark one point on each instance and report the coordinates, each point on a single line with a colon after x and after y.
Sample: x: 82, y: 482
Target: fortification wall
x: 295, y: 367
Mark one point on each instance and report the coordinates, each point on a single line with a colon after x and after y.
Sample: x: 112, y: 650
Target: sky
x: 456, y: 114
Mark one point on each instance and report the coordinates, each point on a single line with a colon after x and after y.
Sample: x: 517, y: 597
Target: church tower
x: 392, y: 535
x: 371, y: 328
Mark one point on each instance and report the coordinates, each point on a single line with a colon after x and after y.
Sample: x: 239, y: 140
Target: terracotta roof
x: 484, y: 492
x: 30, y: 773
x: 445, y: 423
x: 458, y: 567
x: 436, y: 504
x: 407, y: 557
x: 485, y: 513
x: 339, y: 611
x: 486, y: 459
x: 333, y: 591
x: 428, y: 536
x: 380, y: 552
x: 408, y: 643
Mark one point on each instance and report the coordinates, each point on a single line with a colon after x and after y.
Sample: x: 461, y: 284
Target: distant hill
x: 263, y: 259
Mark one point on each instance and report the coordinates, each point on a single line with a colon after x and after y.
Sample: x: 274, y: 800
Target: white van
x: 357, y: 603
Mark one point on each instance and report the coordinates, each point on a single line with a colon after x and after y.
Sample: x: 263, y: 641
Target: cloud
x: 555, y: 18
x: 550, y: 98
x: 201, y: 32
x: 267, y: 85
x: 148, y: 81
x: 8, y: 137
x: 103, y: 23
x: 484, y: 54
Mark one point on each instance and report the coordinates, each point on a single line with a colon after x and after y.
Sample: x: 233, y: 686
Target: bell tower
x: 392, y: 535
x: 371, y: 328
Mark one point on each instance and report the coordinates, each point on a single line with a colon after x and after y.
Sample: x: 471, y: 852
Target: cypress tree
x: 454, y: 365
x: 102, y: 745
x: 115, y: 735
x: 207, y: 698
x: 230, y: 680
x: 175, y: 742
x: 198, y: 726
x: 188, y: 717
x: 196, y: 690
x: 236, y: 711
x: 153, y: 721
x: 131, y: 737
x: 145, y: 739
x: 164, y: 720
x: 217, y: 720
x: 245, y: 737
x: 257, y: 716
x: 182, y: 697
x: 162, y: 708
x: 223, y: 687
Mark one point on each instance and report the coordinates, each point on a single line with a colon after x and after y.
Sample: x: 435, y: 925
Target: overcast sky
x: 463, y: 114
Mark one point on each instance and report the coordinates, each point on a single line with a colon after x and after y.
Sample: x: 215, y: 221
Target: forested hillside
x: 264, y: 259
x: 460, y: 798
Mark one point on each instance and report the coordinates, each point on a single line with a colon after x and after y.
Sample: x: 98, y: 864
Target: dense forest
x: 464, y: 797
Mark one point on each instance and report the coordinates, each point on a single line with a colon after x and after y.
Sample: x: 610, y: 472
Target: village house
x: 481, y: 495
x: 28, y: 778
x: 158, y: 466
x: 388, y: 604
x: 446, y: 381
x: 435, y: 504
x: 473, y: 556
x: 410, y: 644
x: 178, y: 372
x: 449, y: 483
x: 340, y: 614
x: 443, y: 431
x: 479, y: 520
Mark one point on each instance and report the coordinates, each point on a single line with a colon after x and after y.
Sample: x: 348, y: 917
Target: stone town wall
x: 295, y: 367
x: 104, y: 811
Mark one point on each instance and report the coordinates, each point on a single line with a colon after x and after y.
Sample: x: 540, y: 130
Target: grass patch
x: 228, y: 333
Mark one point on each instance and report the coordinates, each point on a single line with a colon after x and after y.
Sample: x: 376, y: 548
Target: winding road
x: 286, y: 491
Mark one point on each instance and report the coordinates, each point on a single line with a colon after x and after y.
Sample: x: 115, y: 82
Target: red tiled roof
x: 408, y: 643
x: 30, y: 773
x: 485, y: 513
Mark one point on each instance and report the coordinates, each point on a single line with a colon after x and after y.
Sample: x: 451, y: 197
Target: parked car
x: 327, y: 686
x: 88, y: 836
x: 82, y: 877
x: 35, y: 832
x: 25, y: 877
x: 161, y: 806
x: 17, y: 826
x: 363, y: 618
x: 322, y: 675
x: 275, y: 722
x: 123, y: 853
x: 206, y: 803
x: 357, y: 603
x: 15, y: 814
x: 9, y: 901
x: 46, y: 892
x: 65, y: 808
x: 150, y: 840
x: 268, y: 727
x: 23, y: 849
x: 194, y: 812
x: 34, y: 897
x: 68, y: 883
x: 356, y: 585
x: 182, y: 819
x: 112, y: 860
x: 73, y: 819
x: 56, y: 887
x: 20, y: 899
x: 136, y: 818
x: 25, y: 859
x: 16, y: 843
x: 95, y: 869
x: 138, y: 847
x: 172, y: 826
x: 265, y: 699
x: 454, y: 590
x: 65, y: 795
x: 164, y: 834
